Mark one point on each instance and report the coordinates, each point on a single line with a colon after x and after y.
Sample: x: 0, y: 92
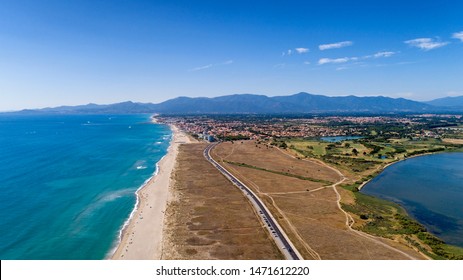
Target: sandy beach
x: 142, y: 237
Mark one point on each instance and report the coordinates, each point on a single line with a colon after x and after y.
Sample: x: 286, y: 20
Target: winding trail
x: 349, y: 220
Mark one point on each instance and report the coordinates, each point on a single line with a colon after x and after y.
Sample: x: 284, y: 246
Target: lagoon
x: 334, y: 139
x: 430, y: 188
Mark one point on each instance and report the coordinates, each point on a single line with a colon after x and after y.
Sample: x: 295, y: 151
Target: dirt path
x: 349, y: 220
x: 321, y: 226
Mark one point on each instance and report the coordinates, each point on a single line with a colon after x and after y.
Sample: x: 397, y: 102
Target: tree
x: 355, y: 152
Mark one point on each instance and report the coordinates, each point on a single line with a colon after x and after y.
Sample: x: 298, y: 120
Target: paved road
x: 281, y: 239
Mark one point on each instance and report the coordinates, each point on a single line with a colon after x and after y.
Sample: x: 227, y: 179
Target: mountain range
x: 455, y: 102
x: 260, y: 104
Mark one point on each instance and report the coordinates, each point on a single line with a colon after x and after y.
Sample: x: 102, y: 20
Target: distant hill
x: 254, y: 104
x: 297, y: 103
x: 456, y: 101
x: 304, y: 102
x: 229, y: 104
x: 128, y: 107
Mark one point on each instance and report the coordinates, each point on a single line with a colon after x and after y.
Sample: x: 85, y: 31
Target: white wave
x: 166, y: 136
x: 99, y: 203
x: 139, y: 164
x: 116, y: 194
x: 134, y: 210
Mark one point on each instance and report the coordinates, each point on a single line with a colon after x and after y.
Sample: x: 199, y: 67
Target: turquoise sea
x: 67, y: 183
x: 430, y: 188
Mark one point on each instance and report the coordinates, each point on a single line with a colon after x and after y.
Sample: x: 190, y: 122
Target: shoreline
x: 380, y: 170
x: 141, y: 235
x: 122, y: 231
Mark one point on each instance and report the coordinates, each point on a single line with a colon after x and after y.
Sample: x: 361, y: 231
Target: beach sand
x: 142, y: 237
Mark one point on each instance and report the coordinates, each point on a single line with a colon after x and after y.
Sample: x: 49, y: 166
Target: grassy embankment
x: 362, y: 160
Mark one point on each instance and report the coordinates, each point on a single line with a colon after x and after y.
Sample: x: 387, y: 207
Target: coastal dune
x: 141, y: 238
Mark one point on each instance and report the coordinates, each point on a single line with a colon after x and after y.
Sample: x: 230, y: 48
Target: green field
x: 364, y: 156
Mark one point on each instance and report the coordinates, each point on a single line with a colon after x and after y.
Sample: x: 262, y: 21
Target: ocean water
x: 67, y: 183
x: 430, y: 188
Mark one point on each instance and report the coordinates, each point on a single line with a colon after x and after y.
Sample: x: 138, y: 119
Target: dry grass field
x: 453, y: 141
x: 270, y: 158
x: 307, y: 209
x: 209, y: 218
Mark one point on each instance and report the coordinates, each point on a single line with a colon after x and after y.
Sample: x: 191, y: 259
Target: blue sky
x: 55, y: 52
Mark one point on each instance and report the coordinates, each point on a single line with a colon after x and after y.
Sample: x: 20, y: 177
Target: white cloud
x: 425, y: 44
x: 301, y: 50
x: 354, y: 59
x: 202, y: 67
x: 335, y: 45
x: 458, y: 35
x: 297, y: 50
x: 210, y: 66
x: 322, y: 61
x: 306, y: 62
x: 383, y: 54
x: 379, y: 54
